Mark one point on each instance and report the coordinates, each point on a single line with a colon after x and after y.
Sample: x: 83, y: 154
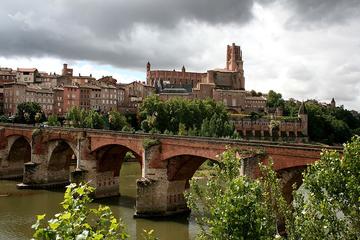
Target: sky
x: 304, y: 49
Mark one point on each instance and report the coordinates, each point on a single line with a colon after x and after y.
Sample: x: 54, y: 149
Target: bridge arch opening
x: 180, y: 169
x: 61, y: 159
x: 290, y: 178
x: 110, y: 160
x: 19, y: 153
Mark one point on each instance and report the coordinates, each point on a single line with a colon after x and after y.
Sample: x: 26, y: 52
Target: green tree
x: 29, y: 112
x: 234, y: 206
x: 168, y: 116
x: 93, y: 120
x: 274, y: 100
x: 117, y: 121
x: 330, y: 209
x: 53, y: 120
x: 77, y: 221
x: 182, y: 130
x: 74, y: 116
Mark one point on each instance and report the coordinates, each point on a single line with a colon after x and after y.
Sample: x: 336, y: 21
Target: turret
x: 148, y: 67
x: 333, y: 103
x: 302, y: 114
x: 183, y: 69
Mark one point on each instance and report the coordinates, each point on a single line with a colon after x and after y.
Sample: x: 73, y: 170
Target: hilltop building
x: 226, y: 85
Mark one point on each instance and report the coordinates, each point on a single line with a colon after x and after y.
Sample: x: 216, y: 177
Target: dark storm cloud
x: 321, y: 12
x: 102, y: 31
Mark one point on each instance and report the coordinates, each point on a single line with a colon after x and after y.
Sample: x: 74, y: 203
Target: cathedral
x: 222, y: 84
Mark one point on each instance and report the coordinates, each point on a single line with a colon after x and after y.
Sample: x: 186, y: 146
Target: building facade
x: 225, y: 85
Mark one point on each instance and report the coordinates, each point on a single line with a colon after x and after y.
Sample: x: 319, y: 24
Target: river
x: 19, y: 208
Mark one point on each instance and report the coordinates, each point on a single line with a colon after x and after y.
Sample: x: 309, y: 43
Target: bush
x: 79, y: 222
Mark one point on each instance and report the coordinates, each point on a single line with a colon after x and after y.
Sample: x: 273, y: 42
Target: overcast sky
x: 301, y: 48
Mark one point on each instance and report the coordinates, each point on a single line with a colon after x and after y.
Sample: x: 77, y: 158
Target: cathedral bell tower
x: 234, y: 63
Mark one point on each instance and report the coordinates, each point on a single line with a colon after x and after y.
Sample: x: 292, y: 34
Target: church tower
x: 148, y: 77
x: 235, y: 63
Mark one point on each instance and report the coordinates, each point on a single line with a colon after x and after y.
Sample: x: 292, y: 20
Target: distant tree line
x: 176, y: 116
x: 185, y: 117
x: 326, y: 124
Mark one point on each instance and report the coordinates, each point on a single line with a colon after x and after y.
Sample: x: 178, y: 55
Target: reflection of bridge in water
x: 53, y: 156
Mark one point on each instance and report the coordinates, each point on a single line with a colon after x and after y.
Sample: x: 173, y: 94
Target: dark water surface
x: 18, y: 210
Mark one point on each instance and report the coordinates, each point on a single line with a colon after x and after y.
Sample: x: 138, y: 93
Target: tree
x: 177, y: 115
x: 330, y: 209
x: 53, y: 121
x: 79, y: 222
x: 116, y: 120
x: 274, y: 100
x: 29, y: 112
x: 75, y: 117
x: 93, y: 120
x: 233, y: 206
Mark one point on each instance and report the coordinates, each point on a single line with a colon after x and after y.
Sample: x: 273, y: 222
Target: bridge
x: 52, y: 156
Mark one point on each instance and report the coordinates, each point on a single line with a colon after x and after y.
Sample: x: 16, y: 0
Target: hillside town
x: 58, y: 93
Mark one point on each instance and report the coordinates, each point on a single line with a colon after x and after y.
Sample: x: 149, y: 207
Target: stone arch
x: 183, y: 167
x: 196, y: 152
x: 11, y: 138
x: 61, y: 157
x: 289, y: 177
x: 19, y: 152
x: 109, y: 160
x: 134, y: 145
x: 53, y: 143
x: 180, y: 169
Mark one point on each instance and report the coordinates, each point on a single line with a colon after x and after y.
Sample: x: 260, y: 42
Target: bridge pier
x: 156, y: 195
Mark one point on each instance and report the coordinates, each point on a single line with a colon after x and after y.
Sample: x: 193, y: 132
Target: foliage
x: 324, y: 126
x: 291, y: 107
x: 117, y: 121
x: 4, y: 119
x: 128, y: 156
x: 77, y: 221
x: 84, y: 119
x: 149, y: 142
x: 255, y: 94
x: 331, y: 207
x: 185, y: 117
x: 53, y: 121
x: 233, y: 206
x: 274, y: 100
x: 29, y: 112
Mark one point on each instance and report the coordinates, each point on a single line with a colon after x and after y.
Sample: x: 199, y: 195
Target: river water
x: 19, y: 208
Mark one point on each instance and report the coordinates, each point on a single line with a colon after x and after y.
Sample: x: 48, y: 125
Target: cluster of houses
x: 57, y: 93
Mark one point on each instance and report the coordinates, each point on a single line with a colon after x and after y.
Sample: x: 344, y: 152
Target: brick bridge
x: 52, y: 156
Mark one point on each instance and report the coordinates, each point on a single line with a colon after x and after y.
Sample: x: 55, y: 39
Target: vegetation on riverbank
x: 232, y: 206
